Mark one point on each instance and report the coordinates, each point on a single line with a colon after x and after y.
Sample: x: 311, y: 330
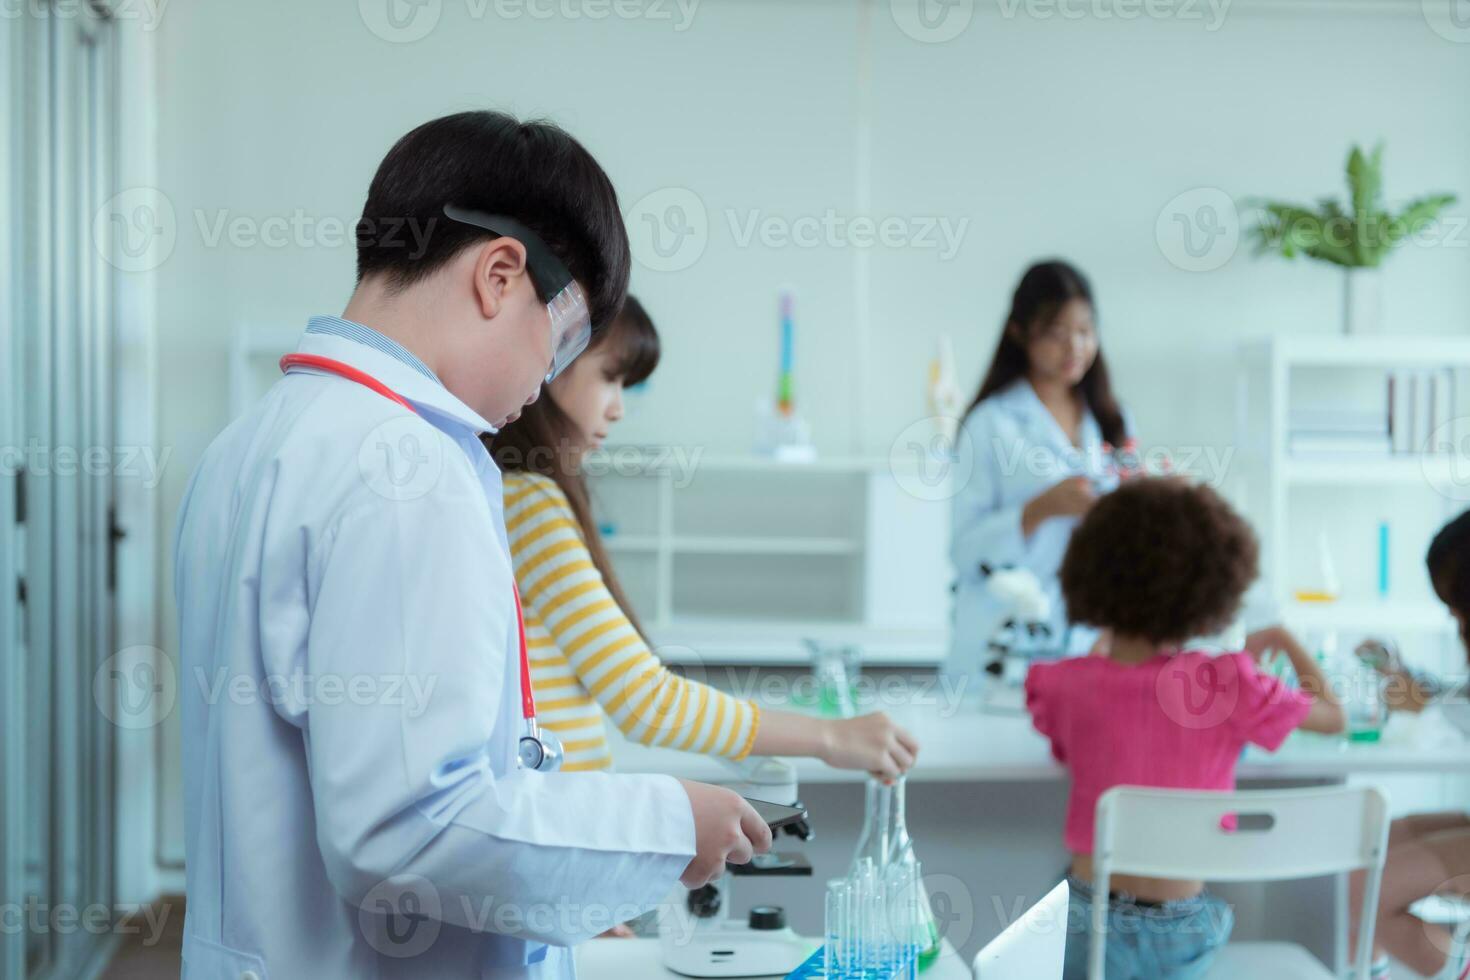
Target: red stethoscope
x: 538, y: 749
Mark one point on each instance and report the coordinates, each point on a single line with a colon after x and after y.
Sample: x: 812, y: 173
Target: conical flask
x: 900, y: 850
x: 873, y: 842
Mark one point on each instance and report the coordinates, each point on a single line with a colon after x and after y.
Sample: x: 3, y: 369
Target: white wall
x: 1048, y: 136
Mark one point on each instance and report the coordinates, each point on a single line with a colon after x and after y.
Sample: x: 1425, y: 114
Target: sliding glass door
x: 13, y: 748
x: 58, y: 467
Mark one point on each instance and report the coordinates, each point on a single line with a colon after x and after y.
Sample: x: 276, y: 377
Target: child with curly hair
x: 1155, y: 563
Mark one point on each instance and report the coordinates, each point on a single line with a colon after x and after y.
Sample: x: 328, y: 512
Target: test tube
x: 893, y: 918
x: 893, y: 927
x: 920, y: 920
x: 873, y: 920
x: 883, y: 943
x: 833, y: 953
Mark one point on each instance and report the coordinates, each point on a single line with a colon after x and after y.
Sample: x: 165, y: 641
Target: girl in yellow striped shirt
x: 590, y: 659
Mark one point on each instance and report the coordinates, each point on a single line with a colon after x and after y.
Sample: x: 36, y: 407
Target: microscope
x: 703, y: 937
x: 1022, y: 634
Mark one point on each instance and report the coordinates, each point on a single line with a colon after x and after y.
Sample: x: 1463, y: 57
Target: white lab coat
x: 333, y: 551
x: 1008, y: 450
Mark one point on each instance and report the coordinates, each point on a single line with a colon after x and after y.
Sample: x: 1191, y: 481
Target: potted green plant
x: 1356, y: 237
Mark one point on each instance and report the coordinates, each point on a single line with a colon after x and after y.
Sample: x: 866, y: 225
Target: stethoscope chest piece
x: 539, y: 750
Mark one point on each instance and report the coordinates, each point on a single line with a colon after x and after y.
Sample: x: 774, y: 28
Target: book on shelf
x: 1341, y: 444
x: 1333, y: 421
x: 1418, y: 414
x: 1337, y: 432
x: 1421, y: 410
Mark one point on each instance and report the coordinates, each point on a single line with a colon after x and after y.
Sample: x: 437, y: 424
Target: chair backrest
x: 1034, y: 946
x: 1277, y: 834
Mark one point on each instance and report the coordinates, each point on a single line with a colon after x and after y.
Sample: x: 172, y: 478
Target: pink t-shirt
x: 1176, y: 721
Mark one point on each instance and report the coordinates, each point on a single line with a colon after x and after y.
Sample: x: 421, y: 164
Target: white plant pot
x: 1362, y: 301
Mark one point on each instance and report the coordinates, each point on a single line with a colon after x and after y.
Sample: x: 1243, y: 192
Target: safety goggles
x: 566, y: 304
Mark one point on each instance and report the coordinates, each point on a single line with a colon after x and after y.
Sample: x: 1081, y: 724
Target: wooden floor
x: 144, y: 956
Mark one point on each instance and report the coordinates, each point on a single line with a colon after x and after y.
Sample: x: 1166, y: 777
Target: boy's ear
x: 498, y: 264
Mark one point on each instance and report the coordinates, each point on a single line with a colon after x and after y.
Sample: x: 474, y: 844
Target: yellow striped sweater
x: 587, y: 660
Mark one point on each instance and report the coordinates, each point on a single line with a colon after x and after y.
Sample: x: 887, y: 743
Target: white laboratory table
x: 986, y: 803
x: 620, y: 959
x: 968, y: 745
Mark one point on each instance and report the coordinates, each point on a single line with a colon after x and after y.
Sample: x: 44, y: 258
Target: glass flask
x: 873, y: 842
x: 901, y: 852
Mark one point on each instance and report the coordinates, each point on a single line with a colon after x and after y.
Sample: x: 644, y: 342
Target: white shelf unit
x: 1294, y: 499
x: 738, y: 559
x: 1346, y: 495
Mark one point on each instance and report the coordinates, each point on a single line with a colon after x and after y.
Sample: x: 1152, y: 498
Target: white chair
x: 1161, y: 833
x: 1031, y: 948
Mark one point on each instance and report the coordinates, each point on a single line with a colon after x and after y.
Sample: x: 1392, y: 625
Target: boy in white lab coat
x: 350, y: 654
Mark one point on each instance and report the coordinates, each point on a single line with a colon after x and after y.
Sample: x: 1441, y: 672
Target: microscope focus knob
x: 767, y: 917
x: 704, y: 902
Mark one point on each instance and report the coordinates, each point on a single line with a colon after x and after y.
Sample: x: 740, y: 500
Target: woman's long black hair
x: 1448, y: 562
x: 537, y: 441
x: 1043, y: 291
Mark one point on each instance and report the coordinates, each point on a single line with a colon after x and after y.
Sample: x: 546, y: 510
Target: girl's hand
x: 1264, y: 641
x: 1071, y: 497
x: 872, y: 742
x: 1381, y: 657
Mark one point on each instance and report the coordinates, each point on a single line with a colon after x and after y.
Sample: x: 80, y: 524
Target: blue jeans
x: 1170, y: 941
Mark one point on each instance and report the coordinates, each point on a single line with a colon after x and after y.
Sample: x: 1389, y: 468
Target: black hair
x: 533, y: 442
x: 1448, y: 561
x: 635, y: 341
x: 1039, y: 297
x: 1159, y: 558
x: 489, y: 161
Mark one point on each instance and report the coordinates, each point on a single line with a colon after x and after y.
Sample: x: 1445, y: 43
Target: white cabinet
x: 1297, y: 500
x: 738, y: 559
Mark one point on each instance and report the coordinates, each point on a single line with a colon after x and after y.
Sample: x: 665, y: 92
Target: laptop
x: 1032, y: 947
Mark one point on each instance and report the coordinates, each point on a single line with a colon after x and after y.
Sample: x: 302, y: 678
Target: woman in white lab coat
x: 1035, y: 450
